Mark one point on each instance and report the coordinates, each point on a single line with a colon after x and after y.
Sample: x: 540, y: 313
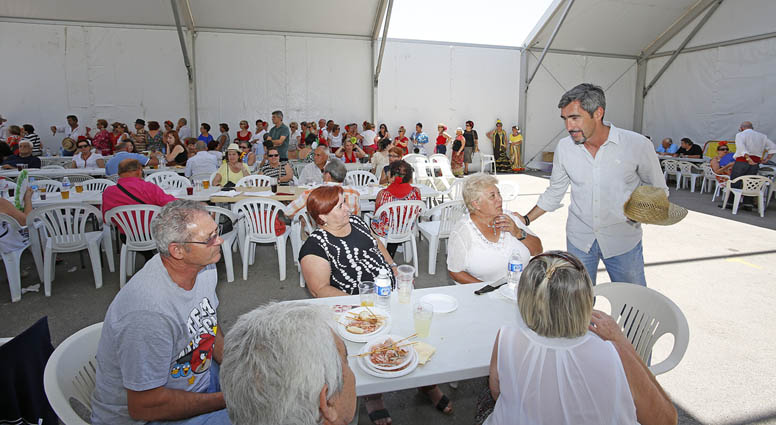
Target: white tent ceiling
x: 339, y: 17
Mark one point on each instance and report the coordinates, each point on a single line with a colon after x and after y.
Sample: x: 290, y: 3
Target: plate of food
x: 362, y: 323
x: 366, y: 364
x: 389, y: 353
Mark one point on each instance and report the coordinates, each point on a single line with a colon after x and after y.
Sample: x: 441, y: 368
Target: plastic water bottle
x: 33, y: 187
x: 383, y: 290
x: 162, y: 161
x: 65, y: 184
x: 514, y: 270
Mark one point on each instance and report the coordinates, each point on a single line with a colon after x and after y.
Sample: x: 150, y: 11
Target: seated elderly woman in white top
x: 284, y: 364
x: 554, y: 367
x: 85, y: 158
x: 484, y: 240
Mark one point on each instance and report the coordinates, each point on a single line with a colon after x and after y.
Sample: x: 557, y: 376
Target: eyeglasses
x: 272, y: 155
x: 574, y: 261
x: 211, y: 240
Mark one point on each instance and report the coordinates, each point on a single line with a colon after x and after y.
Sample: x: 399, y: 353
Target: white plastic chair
x: 135, y: 222
x: 442, y: 163
x: 402, y: 217
x: 489, y: 161
x: 49, y: 185
x: 199, y: 178
x: 160, y: 178
x: 213, y: 177
x: 175, y: 183
x: 751, y: 186
x: 228, y: 237
x: 455, y: 192
x: 63, y: 229
x: 258, y: 226
x: 79, y: 178
x: 420, y: 166
x: 644, y: 315
x: 509, y: 192
x: 97, y: 185
x: 689, y: 172
x: 254, y: 181
x: 12, y: 260
x: 448, y: 213
x: 671, y: 168
x: 360, y: 178
x: 71, y: 373
x: 300, y: 220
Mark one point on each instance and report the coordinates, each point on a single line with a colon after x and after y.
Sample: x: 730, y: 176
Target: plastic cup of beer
x: 422, y: 313
x: 405, y: 283
x: 65, y: 194
x: 205, y: 184
x: 42, y: 189
x: 366, y: 292
x: 79, y: 188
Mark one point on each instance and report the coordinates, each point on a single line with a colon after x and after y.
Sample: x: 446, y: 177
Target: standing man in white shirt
x: 604, y: 165
x: 183, y: 129
x: 71, y: 130
x: 751, y: 148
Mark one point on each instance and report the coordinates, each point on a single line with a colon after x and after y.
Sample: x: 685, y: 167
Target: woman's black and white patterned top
x: 354, y: 258
x: 277, y: 173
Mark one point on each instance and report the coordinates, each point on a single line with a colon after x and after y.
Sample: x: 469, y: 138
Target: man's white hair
x: 276, y: 360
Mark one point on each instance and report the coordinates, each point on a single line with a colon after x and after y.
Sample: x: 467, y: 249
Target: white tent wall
x: 91, y: 72
x: 247, y: 76
x: 558, y: 74
x: 438, y: 82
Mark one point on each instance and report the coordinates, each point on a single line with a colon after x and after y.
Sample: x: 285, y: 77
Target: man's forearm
x: 164, y: 404
x: 535, y: 213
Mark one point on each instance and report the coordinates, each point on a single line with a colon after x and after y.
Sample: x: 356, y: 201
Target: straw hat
x: 68, y: 144
x: 233, y: 147
x: 649, y: 205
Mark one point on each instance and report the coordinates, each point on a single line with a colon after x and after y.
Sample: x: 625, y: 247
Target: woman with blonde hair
x: 555, y: 367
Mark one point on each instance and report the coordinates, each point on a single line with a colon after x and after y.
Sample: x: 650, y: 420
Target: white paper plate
x: 508, y: 292
x: 387, y: 374
x: 380, y: 339
x: 363, y: 337
x: 442, y: 303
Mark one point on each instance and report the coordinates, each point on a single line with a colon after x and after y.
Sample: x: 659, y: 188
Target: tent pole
x: 676, y: 53
x: 676, y: 27
x: 732, y: 42
x: 549, y: 42
x: 377, y: 68
x: 522, y: 101
x: 638, y: 106
x: 188, y: 62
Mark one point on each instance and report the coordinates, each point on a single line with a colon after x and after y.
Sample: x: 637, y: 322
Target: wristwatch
x: 523, y: 235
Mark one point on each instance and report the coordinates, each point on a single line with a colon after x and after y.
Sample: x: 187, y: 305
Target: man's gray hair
x: 200, y: 145
x: 25, y: 141
x: 747, y: 124
x: 336, y: 170
x: 171, y: 224
x: 590, y: 97
x: 276, y: 360
x: 473, y: 186
x: 278, y: 113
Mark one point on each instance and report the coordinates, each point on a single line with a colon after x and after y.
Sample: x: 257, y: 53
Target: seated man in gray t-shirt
x: 161, y: 346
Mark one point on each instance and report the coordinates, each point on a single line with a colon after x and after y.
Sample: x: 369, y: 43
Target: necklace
x: 491, y: 225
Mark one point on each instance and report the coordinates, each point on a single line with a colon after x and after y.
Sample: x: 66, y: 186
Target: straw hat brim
x: 647, y: 213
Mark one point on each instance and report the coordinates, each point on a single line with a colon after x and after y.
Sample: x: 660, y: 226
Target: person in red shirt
x: 401, y: 141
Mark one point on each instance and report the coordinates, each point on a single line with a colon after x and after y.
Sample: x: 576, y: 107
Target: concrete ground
x: 715, y: 266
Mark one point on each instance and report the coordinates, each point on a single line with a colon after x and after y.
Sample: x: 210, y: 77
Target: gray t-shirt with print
x: 155, y: 334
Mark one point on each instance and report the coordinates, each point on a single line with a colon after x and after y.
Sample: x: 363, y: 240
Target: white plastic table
x: 463, y: 338
x: 95, y: 198
x: 55, y: 173
x: 676, y: 158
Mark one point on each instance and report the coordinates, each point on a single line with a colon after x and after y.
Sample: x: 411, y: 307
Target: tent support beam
x: 732, y: 42
x: 188, y: 62
x: 384, y: 19
x: 549, y: 42
x: 382, y: 43
x: 522, y: 101
x: 585, y: 53
x: 689, y: 37
x: 638, y: 98
x: 676, y: 27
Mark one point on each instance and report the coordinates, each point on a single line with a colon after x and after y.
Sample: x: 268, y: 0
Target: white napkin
x: 264, y: 193
x: 227, y: 193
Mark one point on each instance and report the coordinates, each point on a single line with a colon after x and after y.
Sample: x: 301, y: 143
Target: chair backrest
x: 97, y: 185
x: 644, y: 315
x: 401, y: 216
x: 441, y: 162
x: 13, y: 225
x: 259, y: 216
x: 455, y: 192
x: 751, y: 185
x: 254, y: 181
x: 199, y: 178
x: 218, y: 212
x: 71, y: 373
x: 687, y: 168
x: 303, y: 216
x: 79, y: 178
x: 49, y: 185
x: 160, y: 178
x: 135, y: 222
x: 360, y: 178
x: 65, y: 223
x: 707, y: 171
x: 670, y: 166
x: 52, y: 167
x: 449, y: 213
x: 419, y: 164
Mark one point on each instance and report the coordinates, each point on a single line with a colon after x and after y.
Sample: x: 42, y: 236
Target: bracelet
x: 392, y: 265
x: 527, y: 220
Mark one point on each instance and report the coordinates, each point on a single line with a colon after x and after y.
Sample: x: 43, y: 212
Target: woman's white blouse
x: 468, y: 250
x: 554, y: 381
x: 90, y: 162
